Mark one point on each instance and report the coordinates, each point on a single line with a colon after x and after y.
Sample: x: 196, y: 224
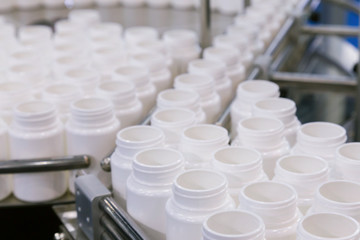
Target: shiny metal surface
x: 205, y: 21
x: 338, y: 30
x: 44, y: 164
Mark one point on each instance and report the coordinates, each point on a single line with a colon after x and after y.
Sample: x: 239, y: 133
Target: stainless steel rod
x: 357, y: 106
x: 44, y: 164
x: 122, y: 219
x: 111, y: 229
x: 338, y: 30
x: 326, y: 81
x: 205, y: 21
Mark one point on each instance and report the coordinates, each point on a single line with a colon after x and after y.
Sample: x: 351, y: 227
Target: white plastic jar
x: 265, y: 135
x: 305, y: 174
x: 196, y: 195
x: 84, y: 18
x: 127, y: 107
x: 183, y: 46
x: 338, y: 196
x: 177, y: 98
x: 283, y: 109
x: 326, y: 226
x: 275, y: 203
x: 172, y: 122
x: 134, y: 35
x: 130, y: 141
x: 85, y: 79
x: 145, y: 90
x: 5, y: 179
x: 233, y: 225
x: 347, y: 164
x: 320, y: 139
x: 91, y: 129
x: 37, y: 132
x: 149, y: 187
x: 230, y: 7
x: 159, y: 74
x: 13, y: 93
x: 65, y: 63
x: 247, y: 94
x: 199, y: 142
x: 61, y: 95
x: 217, y: 71
x: 210, y: 100
x: 234, y: 69
x: 240, y: 165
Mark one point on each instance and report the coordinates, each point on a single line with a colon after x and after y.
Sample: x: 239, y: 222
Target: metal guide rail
x: 99, y: 217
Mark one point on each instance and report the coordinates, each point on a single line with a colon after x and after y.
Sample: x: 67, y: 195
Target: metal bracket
x: 89, y: 191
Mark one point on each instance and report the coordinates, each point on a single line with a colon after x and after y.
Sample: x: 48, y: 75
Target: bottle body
x: 5, y: 179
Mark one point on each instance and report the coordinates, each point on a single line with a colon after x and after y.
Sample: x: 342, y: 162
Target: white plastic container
x: 265, y: 135
x: 240, y: 165
x: 234, y: 69
x: 130, y: 141
x: 184, y: 4
x: 230, y: 7
x: 204, y: 85
x: 217, y: 71
x: 61, y: 95
x: 196, y: 195
x: 149, y: 188
x: 159, y: 74
x: 5, y: 179
x: 85, y: 79
x: 320, y: 139
x: 63, y: 64
x: 84, y: 18
x: 247, y: 94
x: 172, y: 122
x: 326, y: 226
x: 275, y: 203
x: 135, y: 35
x: 36, y: 132
x: 283, y: 109
x: 338, y: 196
x: 35, y: 32
x: 106, y: 29
x: 127, y: 107
x: 199, y: 142
x: 145, y: 90
x: 183, y: 46
x: 176, y: 98
x: 233, y: 225
x: 347, y: 164
x: 91, y: 129
x: 11, y: 94
x: 305, y: 173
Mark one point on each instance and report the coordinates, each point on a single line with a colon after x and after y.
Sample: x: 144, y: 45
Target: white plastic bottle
x: 137, y: 34
x: 149, y: 187
x: 275, y: 203
x: 130, y: 141
x: 265, y: 135
x: 240, y: 165
x: 172, y: 122
x: 62, y: 64
x: 217, y: 71
x: 37, y: 132
x: 204, y: 85
x: 5, y: 179
x: 176, y: 98
x: 320, y: 139
x: 326, y: 226
x: 85, y: 79
x: 199, y: 142
x: 233, y: 225
x: 159, y: 74
x: 91, y: 129
x: 127, y: 107
x: 347, y: 164
x: 145, y: 90
x: 61, y: 95
x: 183, y: 47
x: 234, y: 69
x: 283, y: 109
x: 84, y: 18
x: 230, y: 7
x: 196, y: 195
x: 305, y: 173
x: 247, y: 94
x: 338, y: 196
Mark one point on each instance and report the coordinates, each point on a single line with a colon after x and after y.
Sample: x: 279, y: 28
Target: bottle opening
x: 91, y: 104
x: 173, y: 115
x: 176, y: 95
x: 303, y: 164
x: 261, y: 87
x: 117, y: 86
x: 61, y: 89
x: 330, y: 226
x: 200, y: 180
x: 158, y: 157
x: 237, y: 156
x: 350, y: 151
x: 323, y: 130
x: 341, y: 191
x: 275, y: 104
x: 205, y: 132
x: 269, y: 192
x: 38, y: 107
x: 262, y: 124
x: 139, y: 134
